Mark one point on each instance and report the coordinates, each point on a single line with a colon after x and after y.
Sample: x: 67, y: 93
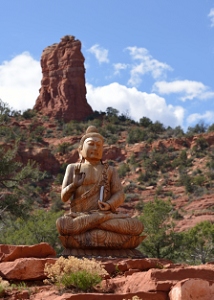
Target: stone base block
x: 103, y: 253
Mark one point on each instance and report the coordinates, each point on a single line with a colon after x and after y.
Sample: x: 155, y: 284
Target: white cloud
x: 100, y: 53
x: 189, y: 89
x: 118, y: 67
x: 137, y: 104
x: 207, y: 117
x: 147, y: 64
x: 211, y: 16
x: 20, y: 81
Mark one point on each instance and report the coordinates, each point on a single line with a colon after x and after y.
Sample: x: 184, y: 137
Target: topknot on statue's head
x: 91, y: 131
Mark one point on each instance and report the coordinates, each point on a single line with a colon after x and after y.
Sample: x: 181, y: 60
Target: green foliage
x: 156, y: 161
x: 198, y: 180
x: 123, y: 169
x: 175, y: 132
x: 198, y: 128
x: 182, y: 160
x: 73, y: 128
x: 29, y: 114
x: 145, y: 122
x: 82, y: 280
x: 64, y: 148
x: 211, y: 128
x: 157, y: 127
x: 112, y: 112
x: 2, y: 290
x: 6, y: 112
x: 186, y: 180
x: 73, y: 272
x: 150, y: 177
x: 160, y: 240
x: 56, y: 202
x: 16, y: 183
x: 200, y: 147
x: 39, y: 227
x: 200, y: 241
x: 136, y: 135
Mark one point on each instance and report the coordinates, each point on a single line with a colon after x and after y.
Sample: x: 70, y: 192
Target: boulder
x: 189, y: 289
x: 25, y: 268
x: 159, y: 279
x: 12, y: 252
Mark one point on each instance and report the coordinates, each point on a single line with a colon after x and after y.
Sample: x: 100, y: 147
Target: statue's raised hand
x: 78, y: 177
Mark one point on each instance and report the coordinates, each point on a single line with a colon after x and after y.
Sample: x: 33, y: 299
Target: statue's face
x: 92, y: 149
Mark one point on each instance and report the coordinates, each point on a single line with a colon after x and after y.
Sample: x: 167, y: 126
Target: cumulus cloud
x: 189, y: 89
x: 100, y: 53
x: 146, y: 64
x: 20, y: 81
x: 211, y: 16
x: 138, y: 104
x: 208, y: 117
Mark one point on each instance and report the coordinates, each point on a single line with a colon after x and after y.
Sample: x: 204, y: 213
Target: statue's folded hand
x: 103, y: 205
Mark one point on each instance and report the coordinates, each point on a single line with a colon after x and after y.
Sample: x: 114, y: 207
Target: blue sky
x: 152, y: 58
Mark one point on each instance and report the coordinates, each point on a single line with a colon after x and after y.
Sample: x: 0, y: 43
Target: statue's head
x: 91, y: 145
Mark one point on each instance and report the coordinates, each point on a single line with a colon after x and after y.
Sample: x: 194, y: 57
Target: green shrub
x: 82, y: 280
x: 39, y: 227
x: 29, y: 114
x: 73, y: 272
x: 136, y: 135
x: 64, y: 148
x: 123, y: 169
x: 199, y: 180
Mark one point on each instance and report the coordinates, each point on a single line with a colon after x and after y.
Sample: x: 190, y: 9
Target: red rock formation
x: 147, y: 278
x: 12, y: 252
x: 63, y: 91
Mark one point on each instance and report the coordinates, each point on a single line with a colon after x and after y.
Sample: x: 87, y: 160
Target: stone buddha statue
x: 95, y: 192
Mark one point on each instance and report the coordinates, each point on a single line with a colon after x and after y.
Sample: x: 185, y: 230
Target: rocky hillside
x: 152, y: 162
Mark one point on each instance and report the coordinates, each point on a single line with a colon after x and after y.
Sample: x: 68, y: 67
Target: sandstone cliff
x: 63, y: 92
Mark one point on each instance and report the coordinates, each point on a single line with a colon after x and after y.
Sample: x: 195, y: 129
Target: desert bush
x: 131, y: 196
x: 198, y: 243
x: 199, y: 180
x: 150, y: 177
x: 157, y: 127
x: 29, y: 114
x: 73, y: 128
x: 185, y: 180
x: 198, y: 128
x: 39, y: 227
x: 200, y: 147
x: 145, y: 122
x: 4, y: 284
x: 83, y: 274
x: 64, y: 148
x: 176, y: 215
x: 112, y: 139
x: 123, y: 169
x: 136, y: 135
x: 211, y: 128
